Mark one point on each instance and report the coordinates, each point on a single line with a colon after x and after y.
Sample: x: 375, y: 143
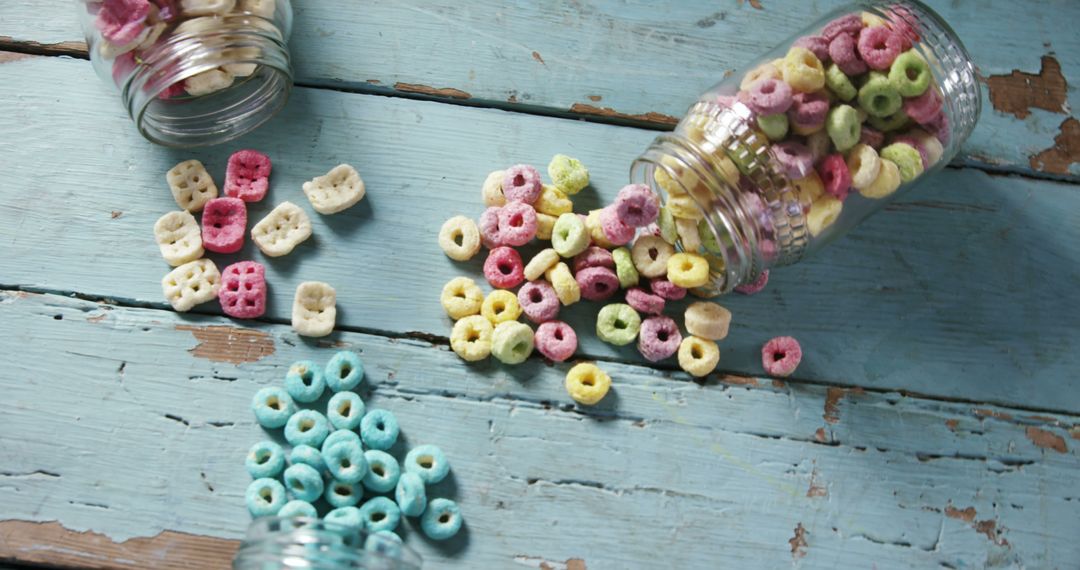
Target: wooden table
x: 934, y: 423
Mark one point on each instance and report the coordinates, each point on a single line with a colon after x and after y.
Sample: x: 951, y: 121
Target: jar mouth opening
x: 304, y: 542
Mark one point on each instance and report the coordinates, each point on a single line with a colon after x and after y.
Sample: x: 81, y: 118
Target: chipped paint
x: 115, y: 214
x: 820, y: 436
x: 989, y: 528
x: 49, y: 543
x: 817, y: 488
x: 734, y: 380
x: 798, y: 542
x: 832, y: 402
x: 7, y: 56
x: 544, y: 564
x: 595, y: 98
x: 1074, y: 432
x: 650, y: 117
x: 536, y: 56
x: 987, y: 413
x: 1046, y: 439
x: 229, y: 344
x: 432, y: 91
x: 1019, y: 92
x: 754, y: 3
x: 966, y: 515
x: 1065, y: 152
x: 951, y: 424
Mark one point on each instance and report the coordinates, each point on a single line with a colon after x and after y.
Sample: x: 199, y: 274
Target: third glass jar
x: 782, y: 157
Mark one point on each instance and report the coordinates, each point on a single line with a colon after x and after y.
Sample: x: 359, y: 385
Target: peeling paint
x: 595, y: 98
x: 536, y: 56
x: 433, y: 91
x: 986, y: 413
x: 544, y: 564
x: 951, y: 424
x: 966, y: 515
x: 832, y: 402
x: 819, y: 435
x: 738, y: 380
x: 798, y: 542
x: 650, y: 117
x: 816, y: 489
x: 988, y: 527
x: 1074, y: 432
x: 1046, y: 439
x: 1065, y: 152
x: 229, y: 344
x: 1019, y: 92
x: 23, y: 541
x: 7, y: 56
x: 754, y: 3
x: 115, y: 214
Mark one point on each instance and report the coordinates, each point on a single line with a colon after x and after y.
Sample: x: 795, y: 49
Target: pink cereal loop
x: 666, y: 289
x: 517, y: 223
x: 597, y: 283
x: 781, y: 356
x: 539, y: 301
x: 636, y: 205
x: 614, y: 229
x: 488, y: 224
x: 593, y: 256
x: 503, y: 268
x: 848, y: 24
x: 756, y: 286
x: 842, y: 49
x: 819, y: 45
x: 121, y: 21
x: 658, y: 338
x: 521, y: 183
x: 644, y: 302
x: 879, y: 46
x: 556, y: 340
x: 835, y: 176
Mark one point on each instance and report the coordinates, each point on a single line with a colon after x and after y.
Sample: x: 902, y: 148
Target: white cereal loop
x: 337, y: 190
x: 198, y: 25
x: 191, y: 185
x: 206, y: 7
x: 314, y: 309
x: 264, y: 8
x: 492, y: 190
x: 285, y: 227
x: 190, y: 284
x: 178, y: 237
x: 459, y: 238
x: 241, y: 54
x: 208, y: 82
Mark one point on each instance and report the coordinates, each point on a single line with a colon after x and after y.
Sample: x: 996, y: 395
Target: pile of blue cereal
x: 328, y: 460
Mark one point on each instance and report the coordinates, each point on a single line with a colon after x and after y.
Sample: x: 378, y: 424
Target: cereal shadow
x: 451, y: 547
x: 348, y: 222
x: 287, y: 265
x: 447, y: 488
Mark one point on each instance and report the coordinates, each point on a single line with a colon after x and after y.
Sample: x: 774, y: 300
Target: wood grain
x: 953, y: 291
x: 664, y: 471
x: 638, y: 61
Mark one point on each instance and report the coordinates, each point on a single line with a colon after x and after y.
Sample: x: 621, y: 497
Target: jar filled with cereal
x: 285, y: 543
x: 780, y: 158
x: 192, y: 72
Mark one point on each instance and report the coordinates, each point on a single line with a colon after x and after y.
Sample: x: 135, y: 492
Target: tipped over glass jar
x: 192, y: 72
x: 301, y: 543
x: 773, y: 163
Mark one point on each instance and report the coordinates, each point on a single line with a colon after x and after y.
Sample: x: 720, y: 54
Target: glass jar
x: 274, y: 543
x: 192, y: 72
x: 771, y: 164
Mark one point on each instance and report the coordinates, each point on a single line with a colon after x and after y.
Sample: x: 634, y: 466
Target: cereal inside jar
x: 192, y: 72
x: 779, y: 159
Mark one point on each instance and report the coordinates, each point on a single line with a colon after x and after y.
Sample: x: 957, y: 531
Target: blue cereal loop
x: 379, y: 514
x: 346, y: 461
x: 345, y: 410
x: 304, y: 482
x: 383, y: 471
x: 341, y: 494
x: 307, y: 427
x: 264, y: 497
x: 298, y: 508
x: 348, y: 517
x: 339, y: 436
x: 304, y: 381
x: 441, y: 519
x: 428, y: 462
x: 385, y: 542
x: 273, y: 407
x: 379, y: 429
x: 265, y: 459
x: 345, y: 371
x: 410, y: 495
x: 308, y: 456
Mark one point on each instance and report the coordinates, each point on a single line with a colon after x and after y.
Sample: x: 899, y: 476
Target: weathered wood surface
x: 953, y: 292
x: 124, y: 432
x: 645, y: 61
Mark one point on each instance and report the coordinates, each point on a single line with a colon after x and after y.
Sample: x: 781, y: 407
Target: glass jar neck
x: 307, y: 543
x: 240, y: 42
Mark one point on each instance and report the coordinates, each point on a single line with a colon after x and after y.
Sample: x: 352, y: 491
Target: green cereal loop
x: 618, y: 324
x: 512, y: 342
x: 843, y: 127
x: 624, y: 268
x: 893, y: 122
x: 666, y: 222
x: 569, y: 236
x: 568, y: 174
x: 878, y: 97
x: 774, y: 126
x: 900, y: 74
x: 906, y: 157
x: 708, y: 238
x: 839, y: 84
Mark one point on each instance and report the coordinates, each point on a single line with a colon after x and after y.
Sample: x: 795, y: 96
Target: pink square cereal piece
x: 121, y: 21
x: 243, y: 290
x: 224, y: 221
x: 248, y: 175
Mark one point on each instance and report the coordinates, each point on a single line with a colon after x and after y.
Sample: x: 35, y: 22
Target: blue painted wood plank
x: 953, y: 291
x: 646, y: 60
x: 130, y: 422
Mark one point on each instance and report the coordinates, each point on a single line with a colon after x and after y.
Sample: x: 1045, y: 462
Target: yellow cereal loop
x: 459, y: 238
x: 553, y: 201
x: 544, y: 225
x: 803, y: 70
x: 471, y: 338
x: 684, y: 178
x: 566, y: 287
x: 694, y: 127
x: 461, y: 297
x: 804, y: 131
x: 864, y: 165
x: 596, y: 230
x: 492, y: 189
x: 587, y: 384
x: 500, y: 306
x: 764, y: 71
x: 871, y: 20
x: 688, y: 234
x: 684, y: 206
x: 809, y: 188
x: 688, y: 270
x: 887, y: 181
x: 823, y: 212
x: 726, y: 168
x: 545, y: 259
x: 698, y: 356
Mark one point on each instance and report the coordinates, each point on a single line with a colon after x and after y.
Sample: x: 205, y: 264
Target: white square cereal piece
x: 314, y: 309
x: 191, y: 185
x: 191, y: 284
x: 337, y: 190
x: 178, y: 237
x: 208, y: 82
x: 285, y: 227
x: 206, y: 7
